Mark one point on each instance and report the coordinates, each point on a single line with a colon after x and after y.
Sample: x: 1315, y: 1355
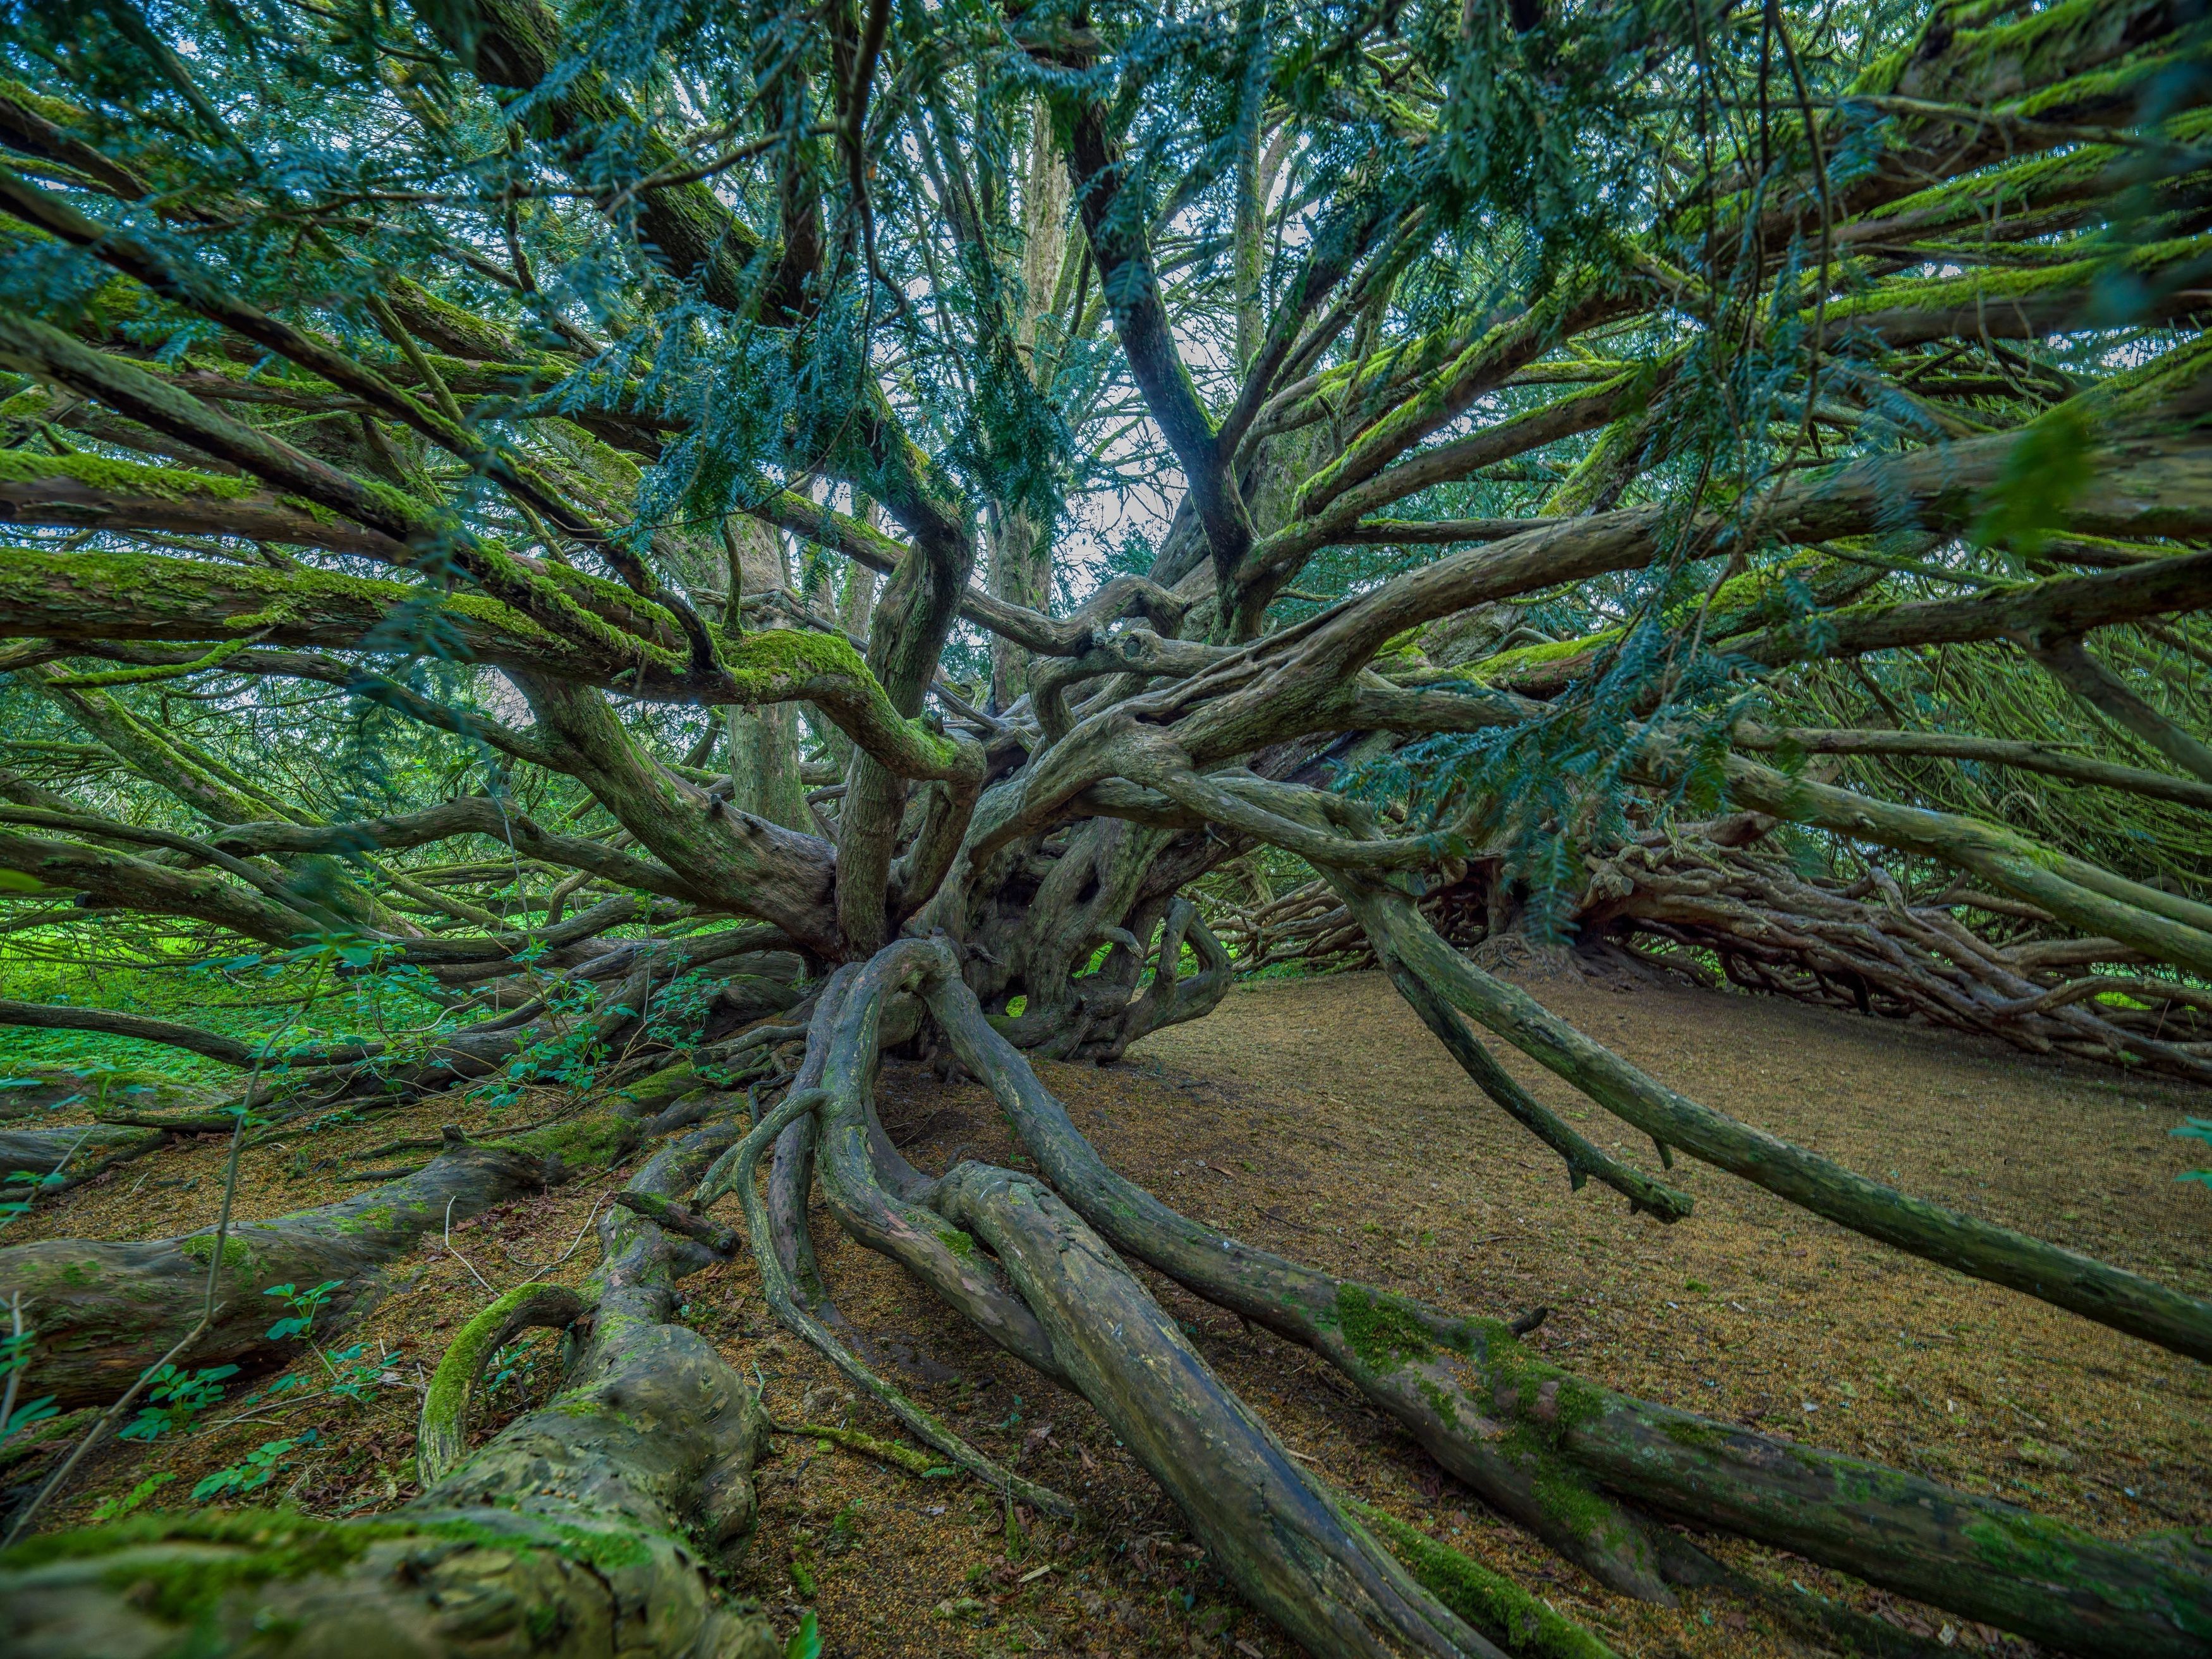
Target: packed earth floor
x: 1316, y: 1116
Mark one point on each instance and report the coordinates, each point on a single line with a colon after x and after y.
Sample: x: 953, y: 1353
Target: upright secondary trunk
x: 764, y: 742
x: 1020, y: 545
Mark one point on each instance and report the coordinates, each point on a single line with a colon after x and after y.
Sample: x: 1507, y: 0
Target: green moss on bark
x: 1509, y: 665
x: 237, y: 1255
x: 592, y: 1141
x: 658, y: 1088
x: 447, y: 1396
x: 167, y: 484
x: 185, y: 1592
x: 1383, y: 1332
x: 1489, y: 1601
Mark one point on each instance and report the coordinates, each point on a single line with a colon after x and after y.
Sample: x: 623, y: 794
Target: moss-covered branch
x: 107, y: 1310
x: 144, y: 1028
x: 93, y: 493
x: 1538, y: 1442
x: 442, y: 1436
x: 602, y: 1523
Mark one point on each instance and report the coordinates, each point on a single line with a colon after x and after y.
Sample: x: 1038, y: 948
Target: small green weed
x: 175, y: 1400
x: 122, y: 1504
x: 256, y: 1470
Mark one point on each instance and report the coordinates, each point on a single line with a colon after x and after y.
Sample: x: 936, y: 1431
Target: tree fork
x: 734, y: 1172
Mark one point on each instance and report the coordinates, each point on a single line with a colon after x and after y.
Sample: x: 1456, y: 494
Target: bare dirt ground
x: 1317, y: 1117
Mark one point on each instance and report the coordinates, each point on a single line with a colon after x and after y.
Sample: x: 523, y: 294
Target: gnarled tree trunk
x: 597, y: 1524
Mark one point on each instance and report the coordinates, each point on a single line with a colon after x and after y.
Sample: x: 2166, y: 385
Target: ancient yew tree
x: 697, y: 544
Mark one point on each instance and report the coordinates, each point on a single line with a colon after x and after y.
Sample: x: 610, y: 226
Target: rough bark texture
x: 791, y: 319
x: 764, y: 742
x: 591, y: 1527
x: 1280, y: 1538
x: 1545, y: 1447
x: 106, y: 1310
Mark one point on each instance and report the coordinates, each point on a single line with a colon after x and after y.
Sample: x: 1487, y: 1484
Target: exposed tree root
x: 1583, y: 1159
x: 1057, y: 1296
x: 2110, y: 1296
x: 736, y: 1173
x: 105, y: 1310
x: 108, y: 1311
x: 1273, y: 1530
x: 1522, y: 1476
x: 591, y: 1527
x: 1562, y: 1457
x: 1538, y: 1444
x: 915, y: 1463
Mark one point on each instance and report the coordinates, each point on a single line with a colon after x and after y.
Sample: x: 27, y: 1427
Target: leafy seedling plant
x: 2196, y: 1129
x: 15, y: 1362
x: 175, y: 1400
x: 255, y: 1470
x: 115, y: 1508
x: 351, y: 1375
x: 569, y: 1055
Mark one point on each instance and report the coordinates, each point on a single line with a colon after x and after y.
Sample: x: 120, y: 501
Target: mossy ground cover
x: 1316, y: 1116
